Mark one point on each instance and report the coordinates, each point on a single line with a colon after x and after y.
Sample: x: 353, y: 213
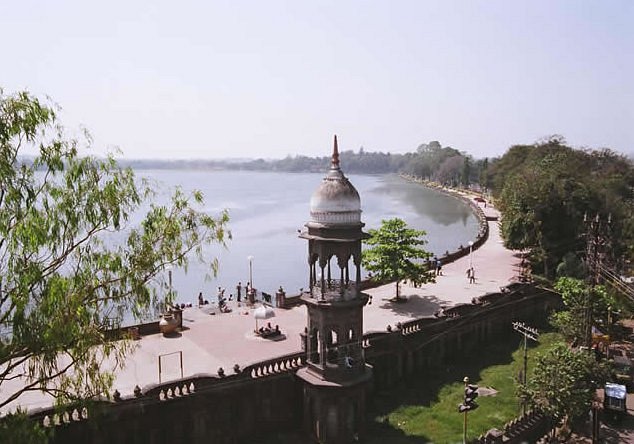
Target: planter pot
x: 168, y: 324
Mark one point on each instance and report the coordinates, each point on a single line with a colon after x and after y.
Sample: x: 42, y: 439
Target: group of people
x: 247, y: 291
x: 269, y: 330
x: 470, y: 271
x: 222, y: 299
x: 201, y: 300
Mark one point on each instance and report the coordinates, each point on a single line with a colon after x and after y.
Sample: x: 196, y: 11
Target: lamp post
x: 470, y: 254
x: 250, y: 258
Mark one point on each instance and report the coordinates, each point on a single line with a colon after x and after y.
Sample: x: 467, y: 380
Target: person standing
x: 239, y: 292
x: 438, y: 267
x: 471, y: 275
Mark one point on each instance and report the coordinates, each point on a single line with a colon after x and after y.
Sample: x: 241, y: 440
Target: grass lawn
x: 417, y: 413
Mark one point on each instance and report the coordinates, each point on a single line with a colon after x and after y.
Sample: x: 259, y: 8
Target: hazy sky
x: 208, y: 79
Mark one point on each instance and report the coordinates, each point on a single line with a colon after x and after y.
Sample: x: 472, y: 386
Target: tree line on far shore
x: 430, y: 161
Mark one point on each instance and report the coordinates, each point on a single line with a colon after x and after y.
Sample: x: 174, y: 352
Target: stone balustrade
x: 282, y: 364
x: 527, y: 428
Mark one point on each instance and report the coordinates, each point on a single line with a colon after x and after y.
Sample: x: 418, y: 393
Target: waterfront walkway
x: 209, y: 342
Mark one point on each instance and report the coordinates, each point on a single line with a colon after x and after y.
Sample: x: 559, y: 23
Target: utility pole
x: 597, y: 244
x: 528, y: 332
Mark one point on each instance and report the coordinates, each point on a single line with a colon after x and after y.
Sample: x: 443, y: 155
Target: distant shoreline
x: 464, y: 197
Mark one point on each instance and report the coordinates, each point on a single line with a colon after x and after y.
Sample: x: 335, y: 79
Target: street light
x: 470, y: 254
x: 250, y: 258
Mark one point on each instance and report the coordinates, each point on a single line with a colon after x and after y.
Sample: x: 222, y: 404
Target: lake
x: 267, y: 209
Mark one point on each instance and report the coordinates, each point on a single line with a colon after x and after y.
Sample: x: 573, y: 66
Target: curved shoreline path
x: 209, y: 342
x: 495, y: 267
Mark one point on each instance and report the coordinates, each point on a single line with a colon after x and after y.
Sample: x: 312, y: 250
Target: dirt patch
x: 487, y: 391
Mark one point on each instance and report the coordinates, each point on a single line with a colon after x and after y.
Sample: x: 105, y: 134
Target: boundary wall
x: 266, y: 398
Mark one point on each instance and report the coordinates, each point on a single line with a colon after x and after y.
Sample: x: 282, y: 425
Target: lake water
x: 267, y: 209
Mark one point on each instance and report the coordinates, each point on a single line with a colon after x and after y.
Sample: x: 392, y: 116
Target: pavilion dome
x: 336, y: 200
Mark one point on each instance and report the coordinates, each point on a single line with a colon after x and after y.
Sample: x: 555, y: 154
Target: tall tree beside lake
x: 395, y: 254
x: 62, y: 284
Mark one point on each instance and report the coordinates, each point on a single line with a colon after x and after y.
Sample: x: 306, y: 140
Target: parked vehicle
x: 614, y: 396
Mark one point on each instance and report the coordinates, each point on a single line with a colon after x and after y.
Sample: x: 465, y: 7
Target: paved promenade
x: 210, y: 341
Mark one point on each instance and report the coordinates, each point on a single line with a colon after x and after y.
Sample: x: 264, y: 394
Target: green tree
x: 563, y: 382
x: 64, y: 281
x: 450, y: 170
x: 17, y: 427
x: 571, y: 266
x: 395, y: 254
x: 483, y: 173
x: 466, y: 172
x: 544, y: 190
x: 577, y: 296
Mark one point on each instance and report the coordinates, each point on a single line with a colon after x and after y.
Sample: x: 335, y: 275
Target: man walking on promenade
x: 471, y: 275
x: 239, y: 291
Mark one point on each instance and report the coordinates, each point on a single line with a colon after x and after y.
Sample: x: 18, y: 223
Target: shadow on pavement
x: 415, y: 305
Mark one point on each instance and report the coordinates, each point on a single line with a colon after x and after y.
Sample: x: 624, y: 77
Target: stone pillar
x: 304, y: 339
x: 251, y: 296
x: 280, y: 298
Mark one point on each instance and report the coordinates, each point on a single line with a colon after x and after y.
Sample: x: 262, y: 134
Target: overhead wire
x: 615, y: 281
x: 610, y: 275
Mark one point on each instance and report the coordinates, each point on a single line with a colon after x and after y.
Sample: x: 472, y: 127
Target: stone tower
x: 336, y: 376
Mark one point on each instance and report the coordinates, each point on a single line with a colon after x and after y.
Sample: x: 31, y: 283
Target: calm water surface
x: 267, y: 209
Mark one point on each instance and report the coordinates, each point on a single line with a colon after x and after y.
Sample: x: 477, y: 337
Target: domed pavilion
x: 336, y: 376
x: 334, y: 235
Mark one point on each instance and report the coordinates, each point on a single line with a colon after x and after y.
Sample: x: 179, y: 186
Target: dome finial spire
x: 335, y: 155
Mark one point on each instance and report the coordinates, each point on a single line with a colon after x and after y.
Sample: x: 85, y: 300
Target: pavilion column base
x: 335, y: 413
